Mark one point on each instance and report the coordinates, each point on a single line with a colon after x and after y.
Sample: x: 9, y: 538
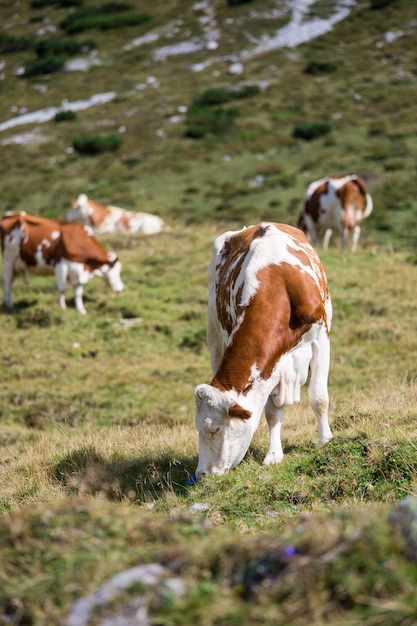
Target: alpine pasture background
x: 97, y: 412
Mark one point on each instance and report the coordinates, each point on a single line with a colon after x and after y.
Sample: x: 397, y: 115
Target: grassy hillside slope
x: 97, y: 437
x: 360, y: 79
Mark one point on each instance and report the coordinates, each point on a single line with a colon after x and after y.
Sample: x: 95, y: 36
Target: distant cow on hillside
x: 112, y: 219
x: 269, y: 317
x: 335, y: 203
x: 43, y: 246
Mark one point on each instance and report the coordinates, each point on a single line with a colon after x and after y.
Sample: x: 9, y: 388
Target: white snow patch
x: 298, y: 31
x: 24, y: 139
x: 44, y: 115
x: 139, y: 41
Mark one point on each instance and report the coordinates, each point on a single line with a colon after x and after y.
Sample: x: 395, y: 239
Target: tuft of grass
x: 44, y: 65
x: 96, y: 143
x: 107, y: 16
x: 65, y: 116
x: 311, y: 130
x: 40, y: 4
x: 41, y: 317
x: 320, y: 67
x: 203, y: 120
x: 212, y: 96
x: 62, y: 46
x: 13, y: 43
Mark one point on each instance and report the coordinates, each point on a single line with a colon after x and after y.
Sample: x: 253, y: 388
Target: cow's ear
x: 200, y: 393
x: 237, y: 411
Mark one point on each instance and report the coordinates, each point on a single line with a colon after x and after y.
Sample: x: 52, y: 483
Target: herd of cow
x: 269, y: 306
x: 68, y: 249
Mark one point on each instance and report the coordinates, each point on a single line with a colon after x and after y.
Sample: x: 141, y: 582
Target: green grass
x: 98, y: 437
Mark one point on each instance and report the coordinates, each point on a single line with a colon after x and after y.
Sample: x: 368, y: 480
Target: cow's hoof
x: 272, y: 459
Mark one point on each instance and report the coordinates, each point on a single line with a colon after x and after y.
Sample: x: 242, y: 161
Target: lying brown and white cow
x: 335, y: 204
x: 112, y: 219
x: 269, y: 317
x: 43, y: 246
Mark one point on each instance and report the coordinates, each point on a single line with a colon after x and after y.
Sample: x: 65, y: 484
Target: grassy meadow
x: 97, y: 411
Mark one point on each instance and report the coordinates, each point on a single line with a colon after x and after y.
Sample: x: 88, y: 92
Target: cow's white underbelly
x: 292, y: 371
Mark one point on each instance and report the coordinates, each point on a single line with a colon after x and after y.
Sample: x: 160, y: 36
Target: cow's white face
x: 111, y: 276
x: 80, y: 210
x: 223, y: 440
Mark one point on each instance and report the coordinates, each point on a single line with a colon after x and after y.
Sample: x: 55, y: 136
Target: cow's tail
x: 369, y: 206
x: 369, y: 202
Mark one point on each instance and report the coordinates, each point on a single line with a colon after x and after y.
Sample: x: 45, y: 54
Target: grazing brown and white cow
x: 43, y: 246
x: 269, y: 317
x: 335, y: 203
x: 112, y: 219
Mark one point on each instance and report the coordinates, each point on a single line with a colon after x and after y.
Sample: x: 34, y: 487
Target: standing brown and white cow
x: 269, y: 317
x: 335, y: 203
x: 43, y: 246
x: 112, y: 219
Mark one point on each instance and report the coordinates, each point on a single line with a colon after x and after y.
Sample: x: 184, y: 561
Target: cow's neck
x: 253, y: 356
x: 98, y: 215
x: 252, y: 398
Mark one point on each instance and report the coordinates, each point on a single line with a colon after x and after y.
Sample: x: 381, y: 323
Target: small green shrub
x: 106, y: 22
x: 221, y: 95
x: 381, y: 4
x: 10, y: 43
x: 311, y: 130
x: 196, y: 132
x: 320, y: 67
x: 40, y: 4
x: 104, y: 17
x: 235, y: 3
x: 246, y: 92
x: 45, y: 65
x: 204, y: 120
x: 65, y: 116
x: 58, y: 46
x: 216, y: 95
x: 96, y: 143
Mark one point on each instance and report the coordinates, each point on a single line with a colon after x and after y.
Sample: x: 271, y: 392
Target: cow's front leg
x: 344, y: 235
x: 317, y: 389
x: 274, y: 417
x: 7, y: 286
x: 326, y: 238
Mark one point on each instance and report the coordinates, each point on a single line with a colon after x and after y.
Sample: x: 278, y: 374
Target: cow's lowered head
x: 225, y: 430
x: 110, y: 272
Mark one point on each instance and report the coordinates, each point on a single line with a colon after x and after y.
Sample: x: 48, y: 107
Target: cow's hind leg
x: 274, y: 416
x: 61, y: 274
x: 310, y: 229
x: 317, y: 389
x: 78, y: 297
x: 11, y: 253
